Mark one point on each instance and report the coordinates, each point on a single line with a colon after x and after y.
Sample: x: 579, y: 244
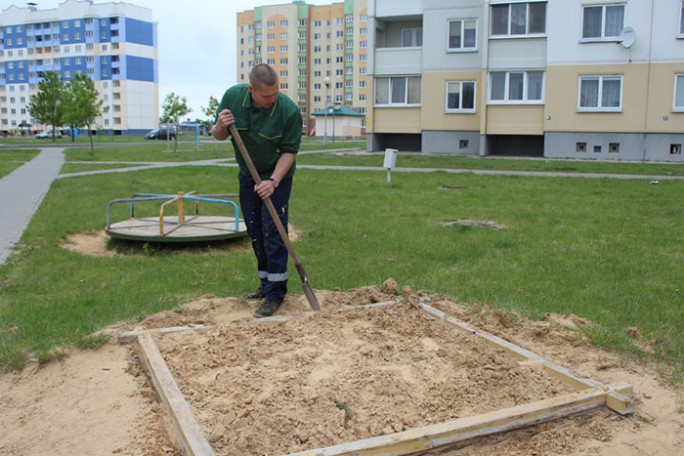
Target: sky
x: 197, y: 43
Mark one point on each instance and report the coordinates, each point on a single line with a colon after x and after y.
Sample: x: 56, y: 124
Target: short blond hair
x: 262, y: 75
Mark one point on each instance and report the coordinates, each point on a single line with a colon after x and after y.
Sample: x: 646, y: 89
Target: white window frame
x: 462, y: 47
x: 391, y: 81
x: 460, y: 109
x: 603, y: 36
x: 678, y: 102
x: 416, y: 37
x: 602, y: 78
x: 526, y: 83
x: 509, y: 21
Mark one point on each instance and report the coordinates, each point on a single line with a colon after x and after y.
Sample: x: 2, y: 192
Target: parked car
x: 161, y: 133
x: 48, y: 134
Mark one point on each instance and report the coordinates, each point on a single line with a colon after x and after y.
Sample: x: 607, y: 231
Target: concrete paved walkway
x: 21, y: 192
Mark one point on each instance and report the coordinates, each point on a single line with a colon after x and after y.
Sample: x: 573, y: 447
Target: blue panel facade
x: 72, y: 31
x: 14, y: 37
x: 105, y: 31
x: 139, y: 32
x: 72, y: 65
x: 140, y: 69
x: 105, y: 73
x: 16, y: 72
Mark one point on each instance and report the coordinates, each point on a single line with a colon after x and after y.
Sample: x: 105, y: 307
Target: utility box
x: 390, y: 162
x: 390, y: 158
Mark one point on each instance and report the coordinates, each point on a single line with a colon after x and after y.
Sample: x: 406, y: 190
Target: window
x: 462, y: 35
x: 460, y: 96
x: 681, y: 19
x: 397, y: 90
x: 411, y: 37
x: 516, y: 19
x: 516, y: 86
x: 602, y: 21
x: 600, y: 93
x: 679, y: 93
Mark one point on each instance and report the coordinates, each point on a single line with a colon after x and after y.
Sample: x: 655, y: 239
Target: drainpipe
x: 485, y: 81
x: 648, y: 83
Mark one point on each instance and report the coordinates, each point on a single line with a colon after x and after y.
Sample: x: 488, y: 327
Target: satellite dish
x: 627, y: 37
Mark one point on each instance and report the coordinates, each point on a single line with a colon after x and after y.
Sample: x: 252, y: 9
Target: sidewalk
x: 22, y: 192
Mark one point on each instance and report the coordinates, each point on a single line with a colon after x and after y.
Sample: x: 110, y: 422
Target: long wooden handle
x: 308, y: 291
x: 269, y: 204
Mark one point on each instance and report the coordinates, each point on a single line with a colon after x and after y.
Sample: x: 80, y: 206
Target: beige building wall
x: 433, y: 113
x: 245, y: 45
x: 397, y: 120
x: 659, y: 117
x: 515, y: 120
x: 562, y: 95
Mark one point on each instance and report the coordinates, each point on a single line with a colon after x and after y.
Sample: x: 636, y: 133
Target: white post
x: 390, y: 162
x: 327, y: 102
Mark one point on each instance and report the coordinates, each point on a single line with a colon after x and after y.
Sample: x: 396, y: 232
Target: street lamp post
x: 327, y: 100
x: 334, y: 100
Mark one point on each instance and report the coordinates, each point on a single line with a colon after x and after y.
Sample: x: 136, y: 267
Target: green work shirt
x: 266, y: 132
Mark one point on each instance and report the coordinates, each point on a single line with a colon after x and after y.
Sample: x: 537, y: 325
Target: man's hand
x: 220, y: 129
x: 265, y: 189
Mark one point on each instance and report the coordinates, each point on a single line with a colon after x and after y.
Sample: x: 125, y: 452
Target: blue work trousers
x: 268, y: 246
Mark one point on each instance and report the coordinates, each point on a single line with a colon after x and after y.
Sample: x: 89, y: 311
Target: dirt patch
x: 91, y: 244
x: 454, y: 187
x: 476, y: 223
x: 333, y: 376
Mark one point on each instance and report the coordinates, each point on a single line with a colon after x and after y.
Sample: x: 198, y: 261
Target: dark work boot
x: 258, y: 294
x: 267, y: 308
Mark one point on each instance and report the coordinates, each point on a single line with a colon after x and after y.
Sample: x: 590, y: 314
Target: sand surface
x: 342, y: 374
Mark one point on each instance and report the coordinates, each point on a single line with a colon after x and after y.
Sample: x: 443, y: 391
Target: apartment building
x: 319, y: 52
x: 581, y: 79
x: 115, y: 44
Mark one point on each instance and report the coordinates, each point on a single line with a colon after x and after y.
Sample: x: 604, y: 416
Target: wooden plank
x: 131, y: 336
x: 620, y: 402
x: 448, y: 433
x: 184, y: 429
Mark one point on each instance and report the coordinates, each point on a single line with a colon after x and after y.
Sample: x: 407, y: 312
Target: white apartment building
x: 115, y: 44
x: 585, y: 79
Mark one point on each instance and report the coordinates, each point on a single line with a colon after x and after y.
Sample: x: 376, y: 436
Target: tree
x: 82, y: 104
x: 173, y: 109
x: 47, y: 105
x: 210, y: 111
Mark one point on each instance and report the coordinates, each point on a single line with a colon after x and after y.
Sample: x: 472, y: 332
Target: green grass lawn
x: 608, y: 250
x: 11, y: 159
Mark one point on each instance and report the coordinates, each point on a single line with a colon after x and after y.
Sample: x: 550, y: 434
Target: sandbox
x: 397, y: 377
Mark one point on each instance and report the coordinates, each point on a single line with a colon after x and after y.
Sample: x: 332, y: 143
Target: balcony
x: 399, y: 45
x: 399, y: 60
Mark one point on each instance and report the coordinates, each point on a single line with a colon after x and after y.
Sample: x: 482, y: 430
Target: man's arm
x: 220, y: 129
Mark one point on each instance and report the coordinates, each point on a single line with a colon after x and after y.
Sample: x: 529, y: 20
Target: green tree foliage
x: 82, y: 104
x: 47, y: 105
x: 210, y: 111
x: 174, y: 109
